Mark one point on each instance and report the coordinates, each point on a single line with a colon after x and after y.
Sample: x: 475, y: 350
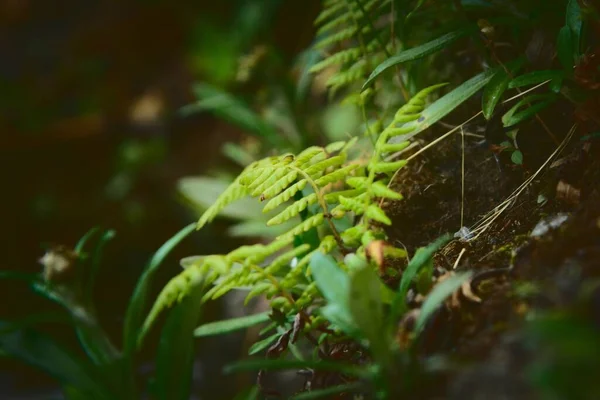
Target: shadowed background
x: 89, y: 92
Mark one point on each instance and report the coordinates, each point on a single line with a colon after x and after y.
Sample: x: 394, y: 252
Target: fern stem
x: 276, y: 284
x: 359, y: 31
x: 323, y: 204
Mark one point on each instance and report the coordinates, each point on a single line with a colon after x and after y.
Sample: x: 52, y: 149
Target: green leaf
x: 43, y: 353
x: 535, y: 77
x: 231, y: 109
x: 517, y: 157
x: 367, y: 310
x: 538, y: 102
x: 95, y: 266
x: 495, y: 89
x: 230, y: 325
x: 420, y: 259
x: 92, y: 337
x: 414, y: 10
x: 203, y: 192
x: 137, y: 304
x: 327, y: 392
x: 438, y: 295
x: 574, y: 22
x: 85, y: 239
x: 565, y: 49
x: 263, y: 344
x: 334, y: 284
x: 419, y: 52
x: 446, y: 104
x: 175, y: 354
x: 281, y: 364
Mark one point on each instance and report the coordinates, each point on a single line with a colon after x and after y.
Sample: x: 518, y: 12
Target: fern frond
x: 330, y: 11
x: 334, y: 197
x: 356, y: 205
x: 385, y: 167
x: 234, y: 192
x: 305, y: 226
x: 394, y: 147
x: 340, y: 57
x: 336, y: 175
x: 377, y: 214
x: 285, y: 195
x: 293, y: 210
x: 381, y: 190
x: 321, y: 166
x: 278, y: 186
x: 285, y: 259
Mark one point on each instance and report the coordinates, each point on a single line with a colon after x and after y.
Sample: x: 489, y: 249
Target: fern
x: 343, y: 21
x: 328, y: 179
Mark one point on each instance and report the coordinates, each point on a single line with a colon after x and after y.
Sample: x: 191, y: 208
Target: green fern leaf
x: 293, y: 210
x: 321, y: 166
x: 336, y: 22
x: 305, y: 226
x: 281, y: 184
x: 394, y: 147
x: 257, y: 290
x: 329, y: 12
x: 234, y: 192
x: 391, y: 132
x: 286, y: 258
x: 307, y: 155
x: 381, y: 190
x: 357, y: 182
x: 336, y: 175
x: 376, y: 213
x: 355, y: 205
x: 275, y: 175
x: 334, y: 196
x: 385, y: 167
x: 285, y: 195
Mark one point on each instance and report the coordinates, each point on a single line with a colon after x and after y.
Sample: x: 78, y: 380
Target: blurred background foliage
x: 92, y: 134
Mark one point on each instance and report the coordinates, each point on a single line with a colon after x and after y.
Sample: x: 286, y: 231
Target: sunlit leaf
x: 419, y: 52
x: 230, y: 325
x: 446, y: 104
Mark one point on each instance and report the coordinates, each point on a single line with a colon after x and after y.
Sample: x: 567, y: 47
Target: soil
x: 536, y: 267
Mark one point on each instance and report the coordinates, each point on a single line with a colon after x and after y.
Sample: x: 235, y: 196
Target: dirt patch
x: 536, y: 266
